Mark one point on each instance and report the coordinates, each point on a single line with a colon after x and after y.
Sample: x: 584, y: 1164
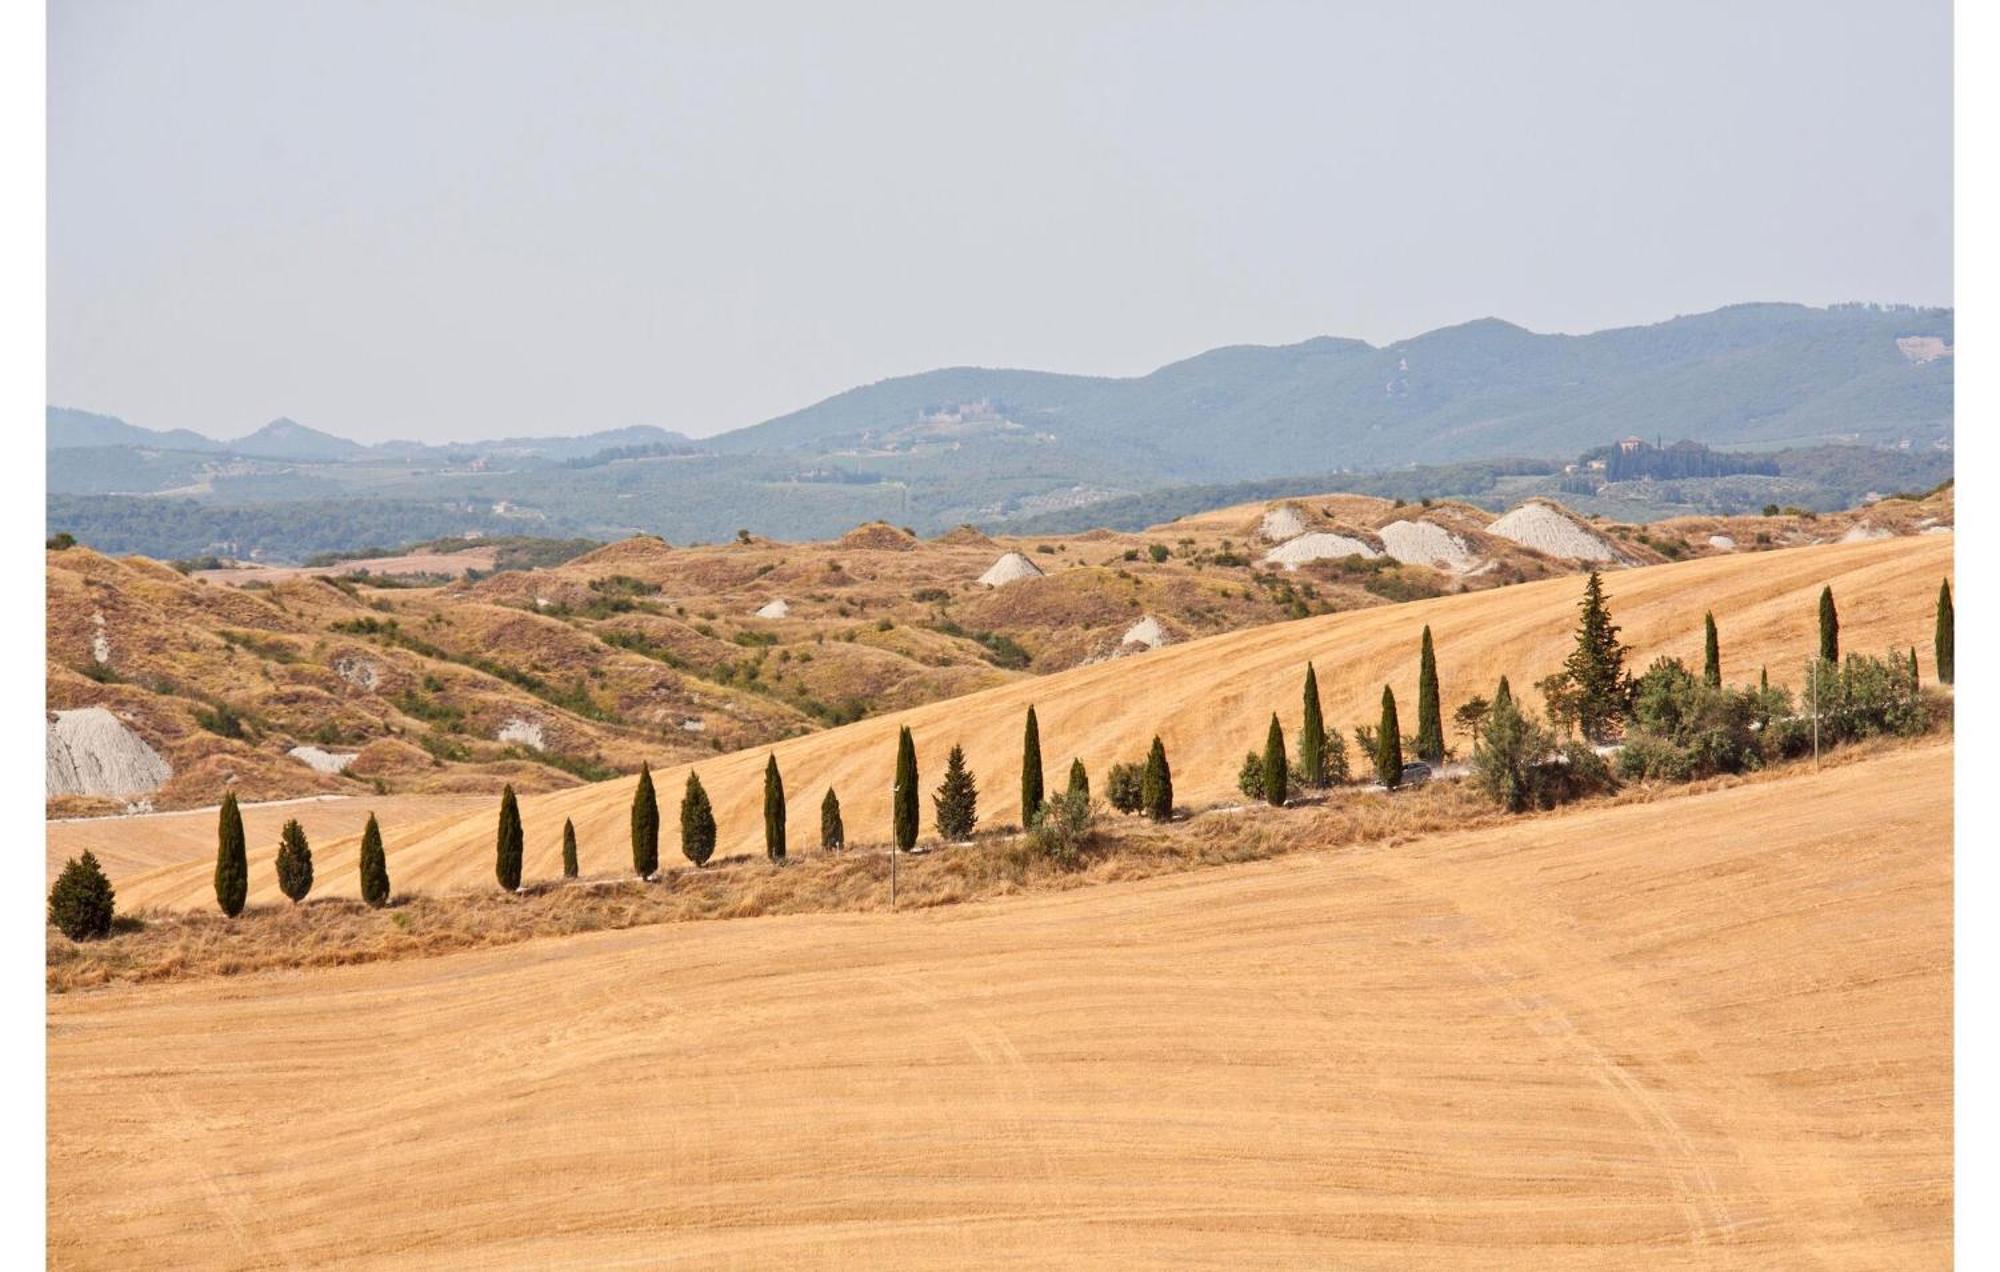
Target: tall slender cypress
x: 1389, y: 743
x: 1031, y: 771
x: 697, y: 822
x: 645, y: 826
x: 774, y: 811
x: 1430, y: 717
x: 1503, y: 695
x: 1156, y: 788
x: 832, y: 833
x: 374, y: 865
x: 232, y: 859
x: 569, y: 849
x: 1941, y: 641
x: 1829, y: 627
x: 295, y: 862
x: 1711, y: 652
x: 1916, y: 681
x: 905, y: 795
x: 1079, y: 780
x: 1312, y: 734
x: 1275, y: 764
x: 508, y: 842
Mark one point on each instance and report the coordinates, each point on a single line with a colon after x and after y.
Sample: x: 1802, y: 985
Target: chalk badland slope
x: 1708, y: 1032
x: 1208, y: 700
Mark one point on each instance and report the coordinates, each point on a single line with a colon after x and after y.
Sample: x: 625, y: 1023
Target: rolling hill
x: 1207, y: 699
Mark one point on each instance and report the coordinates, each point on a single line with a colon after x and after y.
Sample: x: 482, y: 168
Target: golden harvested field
x: 1209, y: 700
x: 1709, y: 1032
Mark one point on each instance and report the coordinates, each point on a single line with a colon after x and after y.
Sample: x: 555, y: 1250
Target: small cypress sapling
x: 1916, y: 681
x: 957, y: 799
x: 1312, y: 734
x: 645, y: 826
x: 295, y: 862
x: 374, y: 865
x: 1764, y: 679
x: 569, y: 849
x: 1711, y: 653
x: 1031, y: 771
x: 508, y: 842
x: 1829, y: 627
x: 905, y: 794
x: 1275, y: 764
x: 82, y: 903
x: 697, y: 823
x: 774, y: 811
x: 832, y: 835
x: 1156, y: 796
x: 232, y: 859
x: 1389, y: 744
x: 1941, y: 641
x: 1503, y: 695
x: 1430, y: 718
x: 1079, y: 781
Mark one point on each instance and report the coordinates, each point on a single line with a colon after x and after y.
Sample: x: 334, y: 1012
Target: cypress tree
x: 374, y: 865
x: 1389, y: 743
x: 1079, y: 781
x: 1430, y: 718
x: 1941, y: 641
x: 645, y: 826
x: 569, y: 849
x: 697, y: 823
x: 957, y: 799
x: 1031, y: 771
x: 1156, y: 788
x: 832, y: 835
x: 82, y: 903
x: 1504, y: 695
x: 1916, y: 681
x: 774, y: 811
x: 508, y: 842
x: 1592, y: 687
x: 1711, y: 652
x: 905, y: 811
x: 1829, y: 627
x: 1764, y: 678
x: 1312, y: 735
x: 1275, y: 764
x: 295, y: 862
x: 232, y: 859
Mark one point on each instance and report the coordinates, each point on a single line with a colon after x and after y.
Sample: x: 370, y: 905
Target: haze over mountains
x: 989, y: 446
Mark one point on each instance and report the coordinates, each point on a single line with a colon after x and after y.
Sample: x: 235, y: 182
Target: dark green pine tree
x: 957, y: 799
x: 1389, y: 743
x: 1941, y: 642
x: 1031, y: 771
x: 1596, y: 688
x: 1312, y: 735
x: 832, y: 834
x: 232, y: 859
x: 1711, y: 652
x: 1079, y: 780
x: 645, y: 826
x: 374, y: 865
x: 905, y: 794
x: 1156, y: 790
x: 82, y: 903
x: 774, y: 811
x: 1829, y: 627
x: 1430, y: 716
x: 508, y: 842
x: 697, y: 823
x: 295, y: 862
x: 1276, y: 766
x: 569, y: 849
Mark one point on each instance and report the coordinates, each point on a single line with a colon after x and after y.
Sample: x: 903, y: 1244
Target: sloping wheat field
x: 1704, y: 1032
x: 1209, y: 700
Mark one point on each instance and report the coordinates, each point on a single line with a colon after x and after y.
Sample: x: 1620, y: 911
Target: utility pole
x: 1815, y: 711
x: 895, y: 789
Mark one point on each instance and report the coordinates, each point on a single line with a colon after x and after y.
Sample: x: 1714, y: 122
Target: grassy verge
x: 153, y: 947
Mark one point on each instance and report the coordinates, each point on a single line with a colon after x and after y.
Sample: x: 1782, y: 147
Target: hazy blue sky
x: 451, y: 220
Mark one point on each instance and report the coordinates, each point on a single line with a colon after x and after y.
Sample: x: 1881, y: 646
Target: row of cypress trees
x: 295, y: 861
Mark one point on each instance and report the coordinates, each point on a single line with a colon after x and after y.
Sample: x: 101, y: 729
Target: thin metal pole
x: 1815, y: 710
x: 894, y: 791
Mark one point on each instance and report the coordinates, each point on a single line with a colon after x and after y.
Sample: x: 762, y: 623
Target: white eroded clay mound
x: 1427, y: 543
x: 522, y: 732
x: 1862, y: 532
x: 1321, y: 546
x: 1550, y: 530
x: 93, y: 752
x: 1012, y: 567
x: 1147, y: 631
x: 775, y: 609
x: 321, y: 760
x: 1282, y: 523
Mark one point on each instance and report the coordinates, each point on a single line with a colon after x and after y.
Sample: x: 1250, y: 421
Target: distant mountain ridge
x: 286, y: 438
